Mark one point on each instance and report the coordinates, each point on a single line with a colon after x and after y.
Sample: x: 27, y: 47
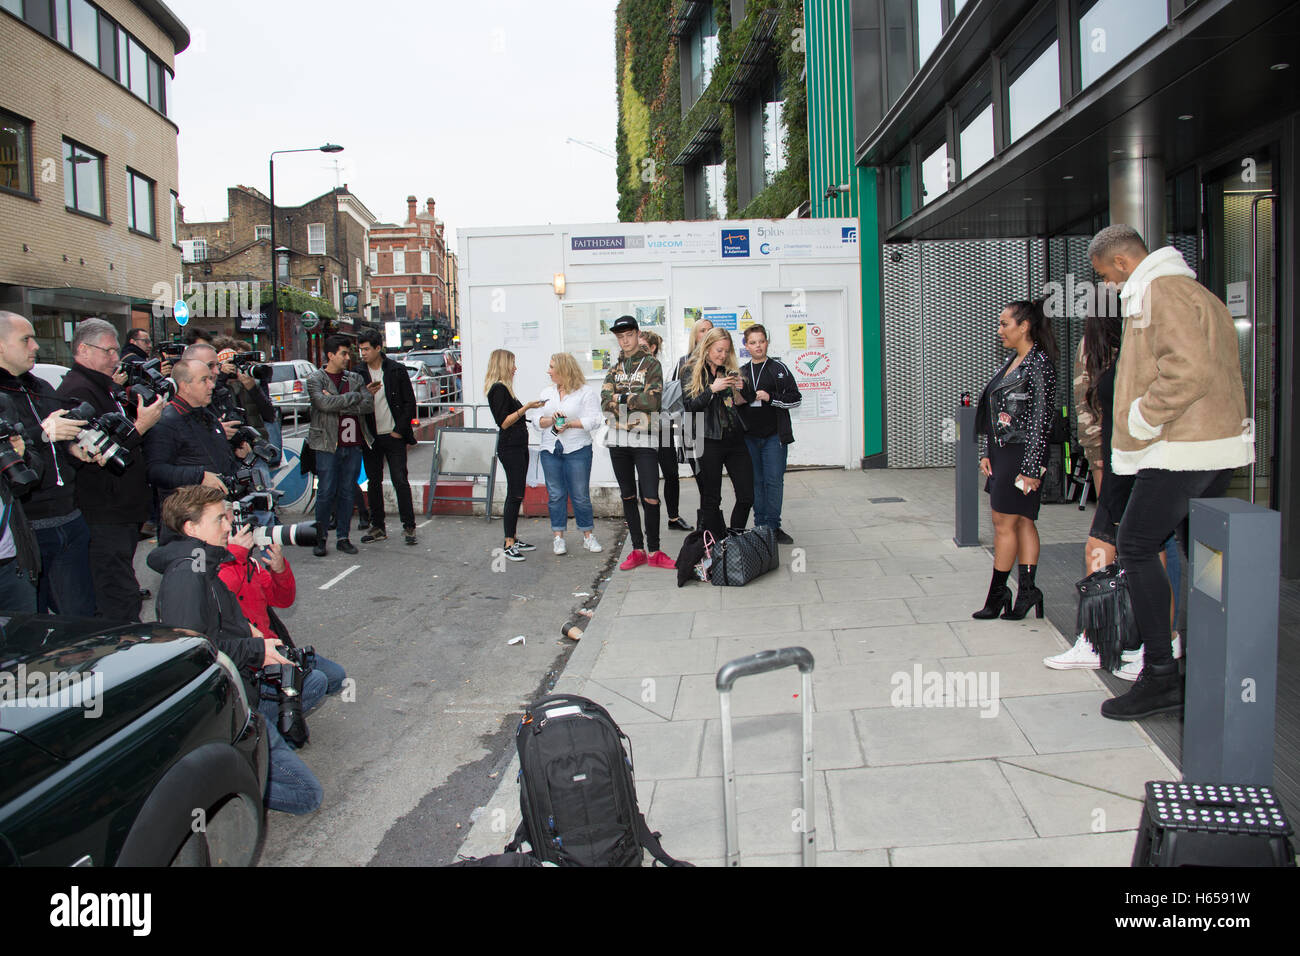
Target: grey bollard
x: 1232, y: 614
x: 966, y: 480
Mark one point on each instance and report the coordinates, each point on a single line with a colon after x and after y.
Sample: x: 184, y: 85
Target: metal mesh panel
x: 902, y: 331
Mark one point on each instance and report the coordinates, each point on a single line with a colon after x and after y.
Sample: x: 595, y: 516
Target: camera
x: 103, y: 435
x: 146, y: 380
x: 12, y: 466
x: 283, y: 683
x: 259, y: 447
x: 254, y: 511
x: 171, y: 351
x: 251, y: 364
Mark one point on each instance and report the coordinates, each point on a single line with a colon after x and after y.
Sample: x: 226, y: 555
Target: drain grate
x: 885, y: 501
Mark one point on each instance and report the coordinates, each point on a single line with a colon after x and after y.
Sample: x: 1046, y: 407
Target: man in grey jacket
x: 339, y: 405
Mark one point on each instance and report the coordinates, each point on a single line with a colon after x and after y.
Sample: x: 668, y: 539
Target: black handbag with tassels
x: 1106, y: 614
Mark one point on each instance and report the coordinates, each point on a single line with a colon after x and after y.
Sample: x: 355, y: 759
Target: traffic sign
x: 181, y: 312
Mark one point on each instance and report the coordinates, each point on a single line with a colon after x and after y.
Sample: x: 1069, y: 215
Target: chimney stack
x: 410, y: 209
x: 429, y: 205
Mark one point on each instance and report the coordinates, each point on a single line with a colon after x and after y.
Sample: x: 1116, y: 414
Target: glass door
x: 1239, y: 217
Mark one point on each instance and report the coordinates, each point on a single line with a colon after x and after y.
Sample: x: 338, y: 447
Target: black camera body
x: 15, y: 471
x: 251, y: 364
x: 260, y: 448
x: 283, y: 683
x: 103, y: 435
x: 146, y: 380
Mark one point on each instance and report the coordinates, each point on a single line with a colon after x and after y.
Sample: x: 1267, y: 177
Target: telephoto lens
x: 101, y: 434
x: 302, y: 535
x: 15, y: 471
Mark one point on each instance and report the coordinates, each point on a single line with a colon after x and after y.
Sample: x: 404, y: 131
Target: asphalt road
x: 423, y: 631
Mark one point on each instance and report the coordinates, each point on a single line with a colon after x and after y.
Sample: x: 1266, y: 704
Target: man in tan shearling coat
x: 1180, y: 426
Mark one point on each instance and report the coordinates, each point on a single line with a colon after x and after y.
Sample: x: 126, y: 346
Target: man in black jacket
x: 138, y: 344
x: 50, y: 507
x: 769, y: 392
x: 20, y: 553
x: 114, y: 506
x: 390, y: 423
x: 189, y: 446
x: 192, y: 596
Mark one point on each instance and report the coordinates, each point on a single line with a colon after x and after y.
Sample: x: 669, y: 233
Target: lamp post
x: 275, y: 266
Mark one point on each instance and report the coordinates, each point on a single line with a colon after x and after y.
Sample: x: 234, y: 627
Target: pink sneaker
x: 661, y: 560
x: 633, y: 560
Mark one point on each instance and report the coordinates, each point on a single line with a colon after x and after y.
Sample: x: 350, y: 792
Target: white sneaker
x: 559, y: 547
x: 1133, y: 660
x: 1080, y: 655
x: 591, y: 544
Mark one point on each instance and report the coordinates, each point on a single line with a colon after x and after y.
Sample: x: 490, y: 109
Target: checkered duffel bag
x: 739, y: 558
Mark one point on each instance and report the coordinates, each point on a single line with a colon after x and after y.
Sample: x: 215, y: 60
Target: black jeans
x: 392, y: 450
x: 638, y: 467
x: 1157, y: 507
x: 732, y: 452
x: 514, y: 459
x: 672, y: 484
x: 112, y: 571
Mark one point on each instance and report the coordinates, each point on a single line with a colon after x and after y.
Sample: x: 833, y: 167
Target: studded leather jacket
x: 1017, y: 408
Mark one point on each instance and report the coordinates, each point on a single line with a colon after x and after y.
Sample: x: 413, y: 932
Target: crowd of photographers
x: 182, y: 441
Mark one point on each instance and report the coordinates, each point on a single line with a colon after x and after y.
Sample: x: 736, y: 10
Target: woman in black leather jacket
x: 1013, y: 422
x: 711, y: 385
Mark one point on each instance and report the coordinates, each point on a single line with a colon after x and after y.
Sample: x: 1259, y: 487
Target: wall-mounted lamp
x: 833, y: 191
x: 558, y: 283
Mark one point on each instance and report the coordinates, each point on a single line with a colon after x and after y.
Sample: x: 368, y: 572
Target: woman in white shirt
x: 570, y: 413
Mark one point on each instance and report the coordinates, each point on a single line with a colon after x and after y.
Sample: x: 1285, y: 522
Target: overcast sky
x: 470, y: 103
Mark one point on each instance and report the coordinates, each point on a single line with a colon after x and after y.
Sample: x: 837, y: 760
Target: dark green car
x: 124, y: 746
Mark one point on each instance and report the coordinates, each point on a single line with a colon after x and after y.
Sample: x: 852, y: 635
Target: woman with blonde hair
x: 512, y: 444
x: 712, y: 385
x: 570, y: 413
x: 693, y: 340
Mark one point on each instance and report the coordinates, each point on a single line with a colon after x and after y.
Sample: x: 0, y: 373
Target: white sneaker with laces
x: 559, y: 547
x: 1133, y: 660
x: 1080, y: 655
x: 591, y: 544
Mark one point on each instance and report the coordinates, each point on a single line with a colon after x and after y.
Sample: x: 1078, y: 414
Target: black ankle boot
x: 1158, y: 690
x: 1027, y: 595
x: 999, y: 597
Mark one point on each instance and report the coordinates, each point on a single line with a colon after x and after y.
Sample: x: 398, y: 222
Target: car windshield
x: 283, y: 373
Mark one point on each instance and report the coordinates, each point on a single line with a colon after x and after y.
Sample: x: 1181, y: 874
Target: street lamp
x: 275, y: 266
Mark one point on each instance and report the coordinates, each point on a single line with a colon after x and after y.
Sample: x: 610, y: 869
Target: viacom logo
x: 849, y: 234
x: 735, y: 243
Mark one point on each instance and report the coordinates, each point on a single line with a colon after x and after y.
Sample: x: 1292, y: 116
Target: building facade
x: 88, y: 163
x: 712, y: 117
x: 410, y: 278
x: 1003, y: 135
x: 321, y: 251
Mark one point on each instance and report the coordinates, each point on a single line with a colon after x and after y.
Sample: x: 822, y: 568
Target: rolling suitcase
x: 761, y: 663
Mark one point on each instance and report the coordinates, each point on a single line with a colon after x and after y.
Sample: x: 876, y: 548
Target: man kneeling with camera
x: 192, y: 596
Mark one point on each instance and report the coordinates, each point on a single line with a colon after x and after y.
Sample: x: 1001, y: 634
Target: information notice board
x: 586, y: 335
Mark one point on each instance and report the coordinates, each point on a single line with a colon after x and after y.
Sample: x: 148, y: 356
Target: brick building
x: 409, y: 278
x: 88, y: 163
x: 323, y: 246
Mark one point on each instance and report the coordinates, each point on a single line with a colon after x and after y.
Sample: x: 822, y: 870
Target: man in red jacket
x: 263, y: 582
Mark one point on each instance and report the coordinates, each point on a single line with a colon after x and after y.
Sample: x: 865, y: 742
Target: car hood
x: 68, y: 683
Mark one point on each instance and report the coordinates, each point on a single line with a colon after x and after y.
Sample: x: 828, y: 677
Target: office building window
x: 108, y: 46
x: 1110, y: 30
x: 929, y: 27
x: 773, y: 128
x: 175, y: 209
x: 399, y: 304
x: 428, y: 304
x: 977, y: 141
x: 399, y: 262
x: 261, y: 232
x: 85, y: 31
x: 898, y: 48
x: 934, y: 174
x: 1035, y: 93
x: 316, y: 239
x: 313, y: 286
x: 703, y: 53
x: 713, y: 184
x: 13, y: 6
x: 900, y: 185
x: 374, y: 261
x: 139, y: 59
x: 139, y: 204
x: 155, y: 85
x: 424, y: 261
x: 196, y: 250
x: 60, y: 19
x: 15, y: 154
x: 83, y: 179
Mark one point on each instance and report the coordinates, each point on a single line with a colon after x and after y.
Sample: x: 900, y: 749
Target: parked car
x: 430, y: 357
x: 131, y: 745
x: 51, y: 373
x: 288, y: 385
x: 422, y: 380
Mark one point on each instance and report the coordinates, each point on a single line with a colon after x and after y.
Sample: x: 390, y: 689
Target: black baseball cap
x: 624, y: 323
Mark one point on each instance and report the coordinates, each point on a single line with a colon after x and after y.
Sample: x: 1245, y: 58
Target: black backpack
x: 576, y: 790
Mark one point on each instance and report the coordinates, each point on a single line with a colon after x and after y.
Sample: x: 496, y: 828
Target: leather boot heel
x: 1038, y: 608
x: 999, y: 600
x: 1026, y: 599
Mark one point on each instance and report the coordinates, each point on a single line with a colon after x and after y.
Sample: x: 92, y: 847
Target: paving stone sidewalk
x: 910, y: 770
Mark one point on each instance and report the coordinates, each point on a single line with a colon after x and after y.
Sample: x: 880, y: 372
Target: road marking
x: 423, y: 523
x: 335, y: 580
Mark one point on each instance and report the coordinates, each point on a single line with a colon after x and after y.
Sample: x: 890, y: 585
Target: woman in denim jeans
x: 570, y: 412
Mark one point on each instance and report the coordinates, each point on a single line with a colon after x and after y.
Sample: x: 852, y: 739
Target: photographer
x: 114, y: 505
x: 192, y: 596
x: 20, y: 553
x: 138, y: 344
x: 263, y: 582
x: 189, y: 446
x: 248, y: 395
x: 50, y: 506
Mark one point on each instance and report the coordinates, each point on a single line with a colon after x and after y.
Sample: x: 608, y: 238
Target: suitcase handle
x: 761, y: 663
